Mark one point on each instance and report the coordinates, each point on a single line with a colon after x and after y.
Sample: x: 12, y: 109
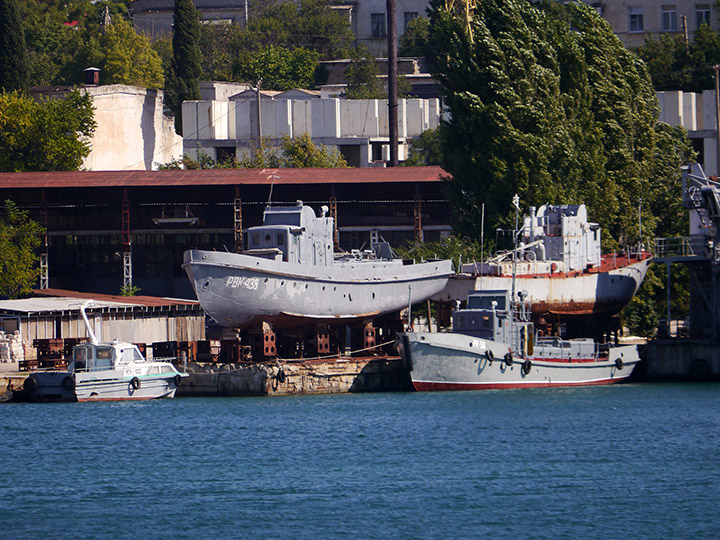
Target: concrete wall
x: 332, y: 122
x: 696, y: 113
x: 132, y: 132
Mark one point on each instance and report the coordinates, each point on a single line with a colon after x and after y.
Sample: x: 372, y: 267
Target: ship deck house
x: 106, y: 227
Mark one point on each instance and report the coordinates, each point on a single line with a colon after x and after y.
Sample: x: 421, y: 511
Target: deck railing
x: 682, y: 246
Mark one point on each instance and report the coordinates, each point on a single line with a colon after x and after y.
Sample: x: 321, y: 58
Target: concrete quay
x: 296, y: 377
x: 273, y: 378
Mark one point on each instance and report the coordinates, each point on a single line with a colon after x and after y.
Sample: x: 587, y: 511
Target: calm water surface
x: 632, y: 461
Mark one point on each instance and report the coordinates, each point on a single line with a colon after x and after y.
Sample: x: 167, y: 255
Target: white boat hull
x: 110, y: 385
x: 439, y: 361
x: 240, y: 291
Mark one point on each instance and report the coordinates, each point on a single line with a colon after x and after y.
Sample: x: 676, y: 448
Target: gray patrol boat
x: 290, y: 276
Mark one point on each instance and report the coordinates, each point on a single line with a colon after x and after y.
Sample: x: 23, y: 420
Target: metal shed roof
x: 205, y: 177
x: 58, y: 300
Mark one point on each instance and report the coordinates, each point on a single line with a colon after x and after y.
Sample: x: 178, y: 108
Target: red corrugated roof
x: 90, y: 179
x: 150, y: 301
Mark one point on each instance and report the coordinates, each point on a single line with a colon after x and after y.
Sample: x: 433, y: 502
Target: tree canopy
x: 13, y: 52
x: 676, y: 65
x: 183, y: 81
x: 52, y: 135
x: 279, y: 68
x: 298, y: 152
x: 19, y: 238
x: 547, y: 103
x: 125, y: 57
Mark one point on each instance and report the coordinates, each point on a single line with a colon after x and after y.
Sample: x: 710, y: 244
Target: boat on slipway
x: 291, y: 276
x: 113, y: 371
x: 558, y: 261
x: 494, y: 345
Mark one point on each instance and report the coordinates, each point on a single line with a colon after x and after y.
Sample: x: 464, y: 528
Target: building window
x: 409, y: 16
x: 669, y: 18
x: 378, y: 25
x: 636, y: 19
x: 702, y: 14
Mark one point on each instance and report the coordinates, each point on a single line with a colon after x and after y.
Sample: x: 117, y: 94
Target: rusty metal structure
x: 107, y: 229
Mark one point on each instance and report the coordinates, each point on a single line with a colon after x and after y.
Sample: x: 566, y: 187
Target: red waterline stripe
x: 437, y: 386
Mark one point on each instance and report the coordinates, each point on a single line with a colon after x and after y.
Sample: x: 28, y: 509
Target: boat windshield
x: 485, y: 302
x: 131, y: 354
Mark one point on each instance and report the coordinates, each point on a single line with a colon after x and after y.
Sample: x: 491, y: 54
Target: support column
x: 333, y: 214
x: 418, y: 219
x: 44, y: 267
x: 127, y: 245
x: 237, y: 222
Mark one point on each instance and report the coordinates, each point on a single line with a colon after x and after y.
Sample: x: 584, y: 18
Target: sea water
x: 628, y: 461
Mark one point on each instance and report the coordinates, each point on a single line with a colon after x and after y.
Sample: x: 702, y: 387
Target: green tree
x: 52, y: 135
x: 546, y: 102
x: 362, y: 76
x: 303, y: 152
x: 13, y: 52
x: 307, y: 24
x: 675, y: 65
x: 279, y: 68
x: 19, y: 238
x: 183, y: 81
x: 425, y: 149
x: 298, y: 152
x: 125, y: 57
x: 415, y: 40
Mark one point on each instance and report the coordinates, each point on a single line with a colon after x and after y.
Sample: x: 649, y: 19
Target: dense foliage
x: 279, y: 68
x: 298, y: 152
x: 183, y: 81
x: 362, y: 76
x: 124, y: 56
x: 546, y: 102
x: 52, y: 135
x: 677, y: 65
x: 19, y: 238
x: 13, y: 53
x: 425, y: 149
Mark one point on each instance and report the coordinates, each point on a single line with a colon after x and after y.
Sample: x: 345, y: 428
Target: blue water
x: 631, y: 461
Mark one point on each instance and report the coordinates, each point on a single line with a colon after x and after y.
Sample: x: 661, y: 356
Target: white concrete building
x: 357, y: 128
x: 696, y: 112
x: 132, y: 130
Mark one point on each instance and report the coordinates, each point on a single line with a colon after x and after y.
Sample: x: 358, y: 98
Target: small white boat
x: 493, y: 345
x: 111, y: 371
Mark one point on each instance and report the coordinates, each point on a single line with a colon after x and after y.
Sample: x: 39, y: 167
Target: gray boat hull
x: 450, y: 361
x: 240, y: 291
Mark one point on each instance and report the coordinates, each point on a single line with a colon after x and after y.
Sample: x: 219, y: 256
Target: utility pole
x: 259, y: 84
x: 246, y: 14
x: 392, y: 84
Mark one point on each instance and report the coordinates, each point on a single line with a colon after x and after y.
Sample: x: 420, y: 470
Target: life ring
x: 29, y: 384
x: 68, y: 383
x: 135, y: 383
x: 490, y: 356
x: 508, y: 359
x: 526, y: 367
x: 281, y: 377
x: 177, y: 379
x: 619, y: 363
